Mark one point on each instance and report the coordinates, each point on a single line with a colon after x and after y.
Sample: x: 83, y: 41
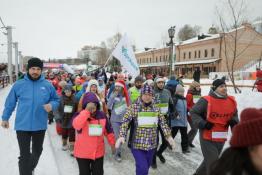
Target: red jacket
x: 91, y: 147
x: 189, y: 101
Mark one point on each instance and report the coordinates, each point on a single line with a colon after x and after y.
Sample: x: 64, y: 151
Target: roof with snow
x: 151, y: 50
x: 206, y: 61
x: 214, y: 36
x: 195, y: 39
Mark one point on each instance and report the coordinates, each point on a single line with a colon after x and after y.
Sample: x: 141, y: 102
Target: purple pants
x: 143, y: 160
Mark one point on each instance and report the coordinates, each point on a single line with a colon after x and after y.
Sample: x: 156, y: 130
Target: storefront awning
x: 154, y: 64
x: 197, y: 62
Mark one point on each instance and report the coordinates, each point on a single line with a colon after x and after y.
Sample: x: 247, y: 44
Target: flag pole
x: 109, y: 58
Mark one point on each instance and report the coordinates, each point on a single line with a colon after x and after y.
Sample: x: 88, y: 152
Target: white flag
x: 125, y: 54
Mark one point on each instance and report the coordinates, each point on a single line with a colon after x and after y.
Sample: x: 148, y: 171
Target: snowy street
x: 54, y: 161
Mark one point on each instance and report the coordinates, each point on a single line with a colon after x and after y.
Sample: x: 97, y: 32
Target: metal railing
x: 248, y: 65
x: 5, y: 80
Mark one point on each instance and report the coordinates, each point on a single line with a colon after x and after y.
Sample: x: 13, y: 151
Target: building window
x: 206, y: 53
x: 195, y: 53
x: 156, y: 59
x: 150, y: 59
x: 184, y: 55
x: 199, y: 54
x: 212, y: 52
x: 160, y: 58
x: 189, y: 55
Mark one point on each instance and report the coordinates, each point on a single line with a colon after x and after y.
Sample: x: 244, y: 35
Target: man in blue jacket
x: 35, y: 97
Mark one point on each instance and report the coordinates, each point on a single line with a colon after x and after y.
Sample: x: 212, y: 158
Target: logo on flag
x: 125, y: 54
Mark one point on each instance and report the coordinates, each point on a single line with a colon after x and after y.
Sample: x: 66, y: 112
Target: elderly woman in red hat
x: 244, y: 156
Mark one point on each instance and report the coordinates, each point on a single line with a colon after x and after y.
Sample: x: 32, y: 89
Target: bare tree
x: 188, y: 32
x: 230, y: 26
x: 102, y: 54
x: 112, y: 42
x: 213, y: 30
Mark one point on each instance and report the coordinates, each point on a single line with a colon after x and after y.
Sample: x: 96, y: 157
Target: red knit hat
x: 122, y: 84
x: 249, y: 130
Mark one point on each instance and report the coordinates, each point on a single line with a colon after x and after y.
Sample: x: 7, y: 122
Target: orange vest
x: 219, y: 112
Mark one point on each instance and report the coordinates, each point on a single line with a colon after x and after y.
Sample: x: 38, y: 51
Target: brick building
x: 154, y: 61
x: 208, y: 52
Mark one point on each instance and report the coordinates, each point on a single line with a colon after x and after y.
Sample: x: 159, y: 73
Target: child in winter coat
x: 91, y: 125
x: 93, y: 87
x: 66, y: 110
x: 179, y: 119
x: 118, y: 103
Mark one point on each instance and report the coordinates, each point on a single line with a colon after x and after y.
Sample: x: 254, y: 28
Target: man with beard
x: 135, y: 91
x: 36, y: 97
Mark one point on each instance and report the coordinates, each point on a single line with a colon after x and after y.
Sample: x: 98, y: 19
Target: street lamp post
x: 171, y: 33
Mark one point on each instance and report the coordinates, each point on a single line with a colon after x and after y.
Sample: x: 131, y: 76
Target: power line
x: 2, y: 22
x: 3, y: 26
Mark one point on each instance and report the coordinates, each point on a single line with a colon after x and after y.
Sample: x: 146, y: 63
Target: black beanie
x: 217, y: 83
x: 139, y: 78
x: 34, y: 62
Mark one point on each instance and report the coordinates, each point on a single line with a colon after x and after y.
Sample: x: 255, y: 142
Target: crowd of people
x: 132, y: 110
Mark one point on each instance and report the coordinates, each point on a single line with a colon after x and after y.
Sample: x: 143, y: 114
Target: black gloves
x: 209, y: 125
x: 231, y: 123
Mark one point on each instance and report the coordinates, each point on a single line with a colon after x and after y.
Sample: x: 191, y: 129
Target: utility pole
x: 16, y: 59
x: 9, y: 52
x: 20, y: 61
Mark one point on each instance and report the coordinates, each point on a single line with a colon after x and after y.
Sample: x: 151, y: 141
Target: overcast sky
x: 58, y: 28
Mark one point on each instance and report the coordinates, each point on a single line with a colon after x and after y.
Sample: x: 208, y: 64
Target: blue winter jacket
x: 30, y: 97
x: 180, y: 118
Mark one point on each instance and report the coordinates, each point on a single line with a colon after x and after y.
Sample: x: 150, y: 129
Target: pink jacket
x: 91, y: 147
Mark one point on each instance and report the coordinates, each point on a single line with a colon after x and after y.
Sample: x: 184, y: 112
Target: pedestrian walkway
x: 176, y: 162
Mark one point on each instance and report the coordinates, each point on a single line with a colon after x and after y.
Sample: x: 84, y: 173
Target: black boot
x: 192, y: 145
x: 161, y: 158
x: 186, y: 151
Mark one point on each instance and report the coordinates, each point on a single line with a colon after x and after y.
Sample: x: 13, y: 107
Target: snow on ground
x: 9, y: 150
x: 209, y: 81
x: 54, y: 161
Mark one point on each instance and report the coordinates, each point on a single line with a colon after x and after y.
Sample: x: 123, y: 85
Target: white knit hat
x: 90, y: 83
x: 160, y: 79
